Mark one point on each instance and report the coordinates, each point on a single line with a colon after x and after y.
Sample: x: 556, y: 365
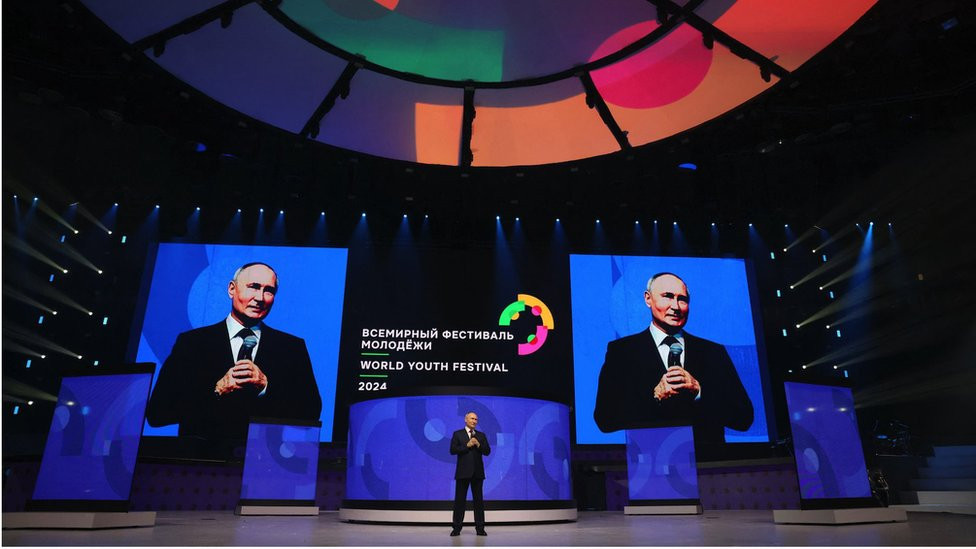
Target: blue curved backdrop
x: 399, y: 448
x: 608, y: 303
x: 189, y: 290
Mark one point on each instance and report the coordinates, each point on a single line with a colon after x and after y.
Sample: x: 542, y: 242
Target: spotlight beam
x: 806, y: 234
x: 824, y: 267
x: 26, y: 248
x: 52, y: 293
x: 38, y: 341
x: 9, y: 345
x: 13, y: 293
x: 15, y: 388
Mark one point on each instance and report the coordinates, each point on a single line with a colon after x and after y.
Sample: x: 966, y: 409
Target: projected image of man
x: 218, y: 376
x: 664, y: 374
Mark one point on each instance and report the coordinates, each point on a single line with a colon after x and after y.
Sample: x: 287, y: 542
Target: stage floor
x: 593, y: 528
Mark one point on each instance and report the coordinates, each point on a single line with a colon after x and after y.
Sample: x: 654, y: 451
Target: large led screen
x: 91, y: 448
x: 399, y: 448
x: 187, y: 329
x: 618, y: 363
x: 829, y: 456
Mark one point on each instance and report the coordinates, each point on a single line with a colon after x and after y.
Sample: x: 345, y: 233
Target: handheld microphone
x: 250, y: 342
x: 674, y: 354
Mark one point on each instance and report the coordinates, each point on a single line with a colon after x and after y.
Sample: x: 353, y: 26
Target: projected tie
x: 674, y: 351
x: 250, y: 342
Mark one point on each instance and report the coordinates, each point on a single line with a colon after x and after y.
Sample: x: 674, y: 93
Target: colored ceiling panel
x: 281, y: 86
x: 526, y: 62
x: 729, y: 82
x: 790, y: 32
x: 543, y: 133
x: 379, y: 118
x: 134, y: 20
x: 485, y: 42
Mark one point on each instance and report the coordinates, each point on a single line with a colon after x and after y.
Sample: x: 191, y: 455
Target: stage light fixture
x: 655, y: 221
x: 55, y: 313
x: 109, y: 232
x: 750, y: 224
x: 75, y: 231
x: 498, y: 218
x: 636, y: 222
x: 842, y: 409
x: 797, y: 325
x: 321, y: 213
x: 784, y: 249
x: 116, y: 204
x: 99, y: 271
x: 597, y: 220
x: 713, y: 224
x: 404, y: 216
x: 804, y: 366
x: 516, y: 219
x: 238, y: 210
x: 871, y: 224
x: 557, y: 220
x: 828, y: 326
x: 363, y: 215
x: 791, y: 286
x: 90, y: 313
x: 425, y: 216
x: 674, y: 223
x: 43, y: 356
x: 80, y: 357
x: 157, y: 206
x: 65, y: 271
x: 35, y: 199
x: 30, y: 402
x: 787, y: 226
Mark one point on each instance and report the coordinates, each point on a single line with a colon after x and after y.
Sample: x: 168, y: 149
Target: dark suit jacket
x: 625, y: 396
x: 184, y: 392
x: 470, y: 463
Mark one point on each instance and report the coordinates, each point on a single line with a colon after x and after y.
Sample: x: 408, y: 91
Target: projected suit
x: 637, y: 389
x: 470, y: 471
x: 217, y: 377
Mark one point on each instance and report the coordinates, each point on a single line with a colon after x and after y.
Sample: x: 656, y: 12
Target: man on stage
x: 647, y: 381
x: 469, y: 446
x: 219, y: 376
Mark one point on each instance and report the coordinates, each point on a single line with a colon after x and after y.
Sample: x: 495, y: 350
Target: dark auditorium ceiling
x: 363, y: 103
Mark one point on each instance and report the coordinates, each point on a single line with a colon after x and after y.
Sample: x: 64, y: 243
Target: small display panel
x: 661, y: 464
x: 92, y: 445
x: 829, y: 456
x: 281, y: 462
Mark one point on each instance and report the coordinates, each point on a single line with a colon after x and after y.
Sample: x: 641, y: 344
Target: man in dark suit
x: 469, y: 446
x: 646, y: 380
x: 211, y: 383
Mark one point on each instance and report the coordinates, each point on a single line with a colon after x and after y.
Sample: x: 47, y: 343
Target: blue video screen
x: 399, y: 448
x: 91, y: 448
x: 661, y: 464
x: 829, y: 456
x: 608, y: 305
x: 188, y: 291
x: 280, y: 462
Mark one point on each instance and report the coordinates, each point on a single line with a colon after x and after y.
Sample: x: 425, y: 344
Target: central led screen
x: 330, y: 327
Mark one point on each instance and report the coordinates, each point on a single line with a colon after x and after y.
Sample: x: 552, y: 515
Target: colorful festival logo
x: 535, y: 341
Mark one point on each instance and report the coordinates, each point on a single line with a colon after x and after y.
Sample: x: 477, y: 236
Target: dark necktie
x: 471, y: 434
x: 674, y: 359
x: 247, y: 348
